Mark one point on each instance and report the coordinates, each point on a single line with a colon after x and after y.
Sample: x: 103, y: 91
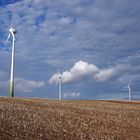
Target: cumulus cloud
x: 79, y: 70
x: 23, y: 85
x: 109, y: 73
x: 71, y: 95
x: 106, y: 74
x: 82, y: 69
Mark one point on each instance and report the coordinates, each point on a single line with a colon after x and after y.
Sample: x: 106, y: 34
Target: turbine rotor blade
x: 8, y: 37
x: 130, y: 82
x: 57, y: 81
x: 12, y: 22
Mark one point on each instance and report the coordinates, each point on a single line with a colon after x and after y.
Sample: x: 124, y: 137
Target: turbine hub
x: 12, y: 30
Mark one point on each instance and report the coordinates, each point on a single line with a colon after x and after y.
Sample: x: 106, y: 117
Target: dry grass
x: 34, y: 119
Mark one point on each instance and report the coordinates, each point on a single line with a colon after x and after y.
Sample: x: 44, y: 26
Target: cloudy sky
x: 94, y: 44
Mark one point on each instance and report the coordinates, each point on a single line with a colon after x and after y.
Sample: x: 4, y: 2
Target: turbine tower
x: 59, y: 82
x: 129, y: 90
x: 12, y: 33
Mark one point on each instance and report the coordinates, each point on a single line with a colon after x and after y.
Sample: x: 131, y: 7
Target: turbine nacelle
x: 58, y: 79
x: 12, y: 30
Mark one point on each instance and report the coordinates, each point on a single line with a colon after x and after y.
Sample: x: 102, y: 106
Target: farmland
x: 40, y: 119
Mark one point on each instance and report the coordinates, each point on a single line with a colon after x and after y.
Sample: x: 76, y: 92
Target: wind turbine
x: 129, y: 90
x: 12, y: 32
x: 59, y: 82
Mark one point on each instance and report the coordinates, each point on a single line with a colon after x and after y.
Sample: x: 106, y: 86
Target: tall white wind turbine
x: 12, y: 33
x: 129, y: 90
x: 59, y: 82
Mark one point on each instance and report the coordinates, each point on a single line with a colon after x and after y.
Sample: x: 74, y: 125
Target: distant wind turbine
x: 59, y: 82
x: 12, y: 33
x: 129, y: 90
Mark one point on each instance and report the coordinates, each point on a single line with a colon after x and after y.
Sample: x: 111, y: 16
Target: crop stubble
x: 38, y: 119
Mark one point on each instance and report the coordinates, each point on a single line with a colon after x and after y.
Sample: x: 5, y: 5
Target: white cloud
x: 23, y: 85
x: 109, y: 73
x: 106, y: 74
x: 79, y: 70
x: 71, y: 95
x: 82, y: 69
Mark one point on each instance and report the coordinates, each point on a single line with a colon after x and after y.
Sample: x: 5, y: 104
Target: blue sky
x: 95, y: 45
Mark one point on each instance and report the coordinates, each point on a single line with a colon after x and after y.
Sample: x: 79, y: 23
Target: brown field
x: 36, y: 119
